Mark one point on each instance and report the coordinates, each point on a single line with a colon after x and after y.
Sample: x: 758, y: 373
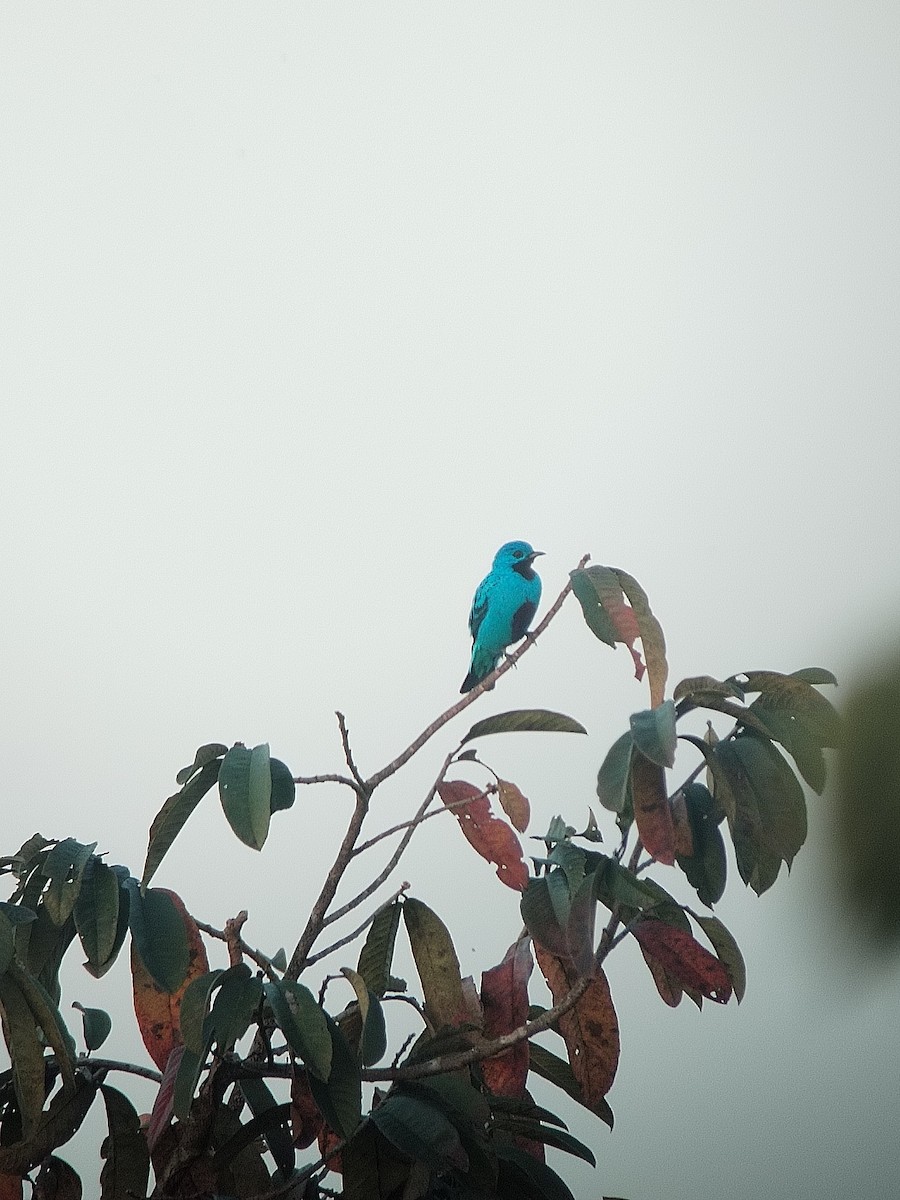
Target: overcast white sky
x: 306, y: 308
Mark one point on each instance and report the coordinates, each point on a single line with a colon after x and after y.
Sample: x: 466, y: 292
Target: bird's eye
x: 517, y: 554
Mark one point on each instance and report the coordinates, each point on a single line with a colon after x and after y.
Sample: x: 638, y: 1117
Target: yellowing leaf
x: 514, y: 804
x: 590, y: 1029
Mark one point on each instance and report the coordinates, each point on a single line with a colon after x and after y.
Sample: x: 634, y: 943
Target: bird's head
x: 516, y: 554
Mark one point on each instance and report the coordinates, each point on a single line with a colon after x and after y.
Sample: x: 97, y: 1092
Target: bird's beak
x: 535, y: 554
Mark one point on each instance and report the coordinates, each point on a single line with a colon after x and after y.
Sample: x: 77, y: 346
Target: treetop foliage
x: 267, y: 1088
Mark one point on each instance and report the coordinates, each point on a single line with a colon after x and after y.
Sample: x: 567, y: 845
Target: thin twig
x: 307, y: 779
x: 348, y: 755
x: 350, y: 937
x: 435, y: 812
x: 395, y: 857
x: 488, y: 682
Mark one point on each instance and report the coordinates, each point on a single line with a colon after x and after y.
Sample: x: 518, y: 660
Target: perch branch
x: 488, y: 682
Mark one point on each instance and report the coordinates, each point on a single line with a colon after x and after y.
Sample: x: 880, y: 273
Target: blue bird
x: 503, y: 607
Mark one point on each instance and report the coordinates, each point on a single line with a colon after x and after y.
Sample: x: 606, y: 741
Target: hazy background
x: 306, y: 308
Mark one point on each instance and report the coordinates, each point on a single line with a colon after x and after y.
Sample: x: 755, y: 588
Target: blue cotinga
x: 503, y: 607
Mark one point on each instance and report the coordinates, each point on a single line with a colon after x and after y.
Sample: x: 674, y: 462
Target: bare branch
x: 395, y: 857
x: 111, y: 1064
x: 417, y: 820
x: 308, y: 779
x: 348, y: 755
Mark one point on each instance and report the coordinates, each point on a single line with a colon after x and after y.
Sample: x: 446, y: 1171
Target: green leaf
x: 765, y: 779
x: 159, y: 936
x: 41, y: 946
x: 721, y: 792
x: 529, y: 1177
x: 373, y: 1040
x: 63, y: 867
x: 595, y: 615
x: 654, y: 733
x: 794, y: 695
x: 59, y: 1123
x: 126, y: 1171
x: 706, y: 869
x: 420, y: 1131
x: 123, y: 908
x: 7, y: 941
x: 97, y: 1025
x: 700, y: 687
x: 97, y: 912
x: 727, y: 950
x: 284, y: 789
x: 437, y: 965
x: 57, y: 1179
x: 48, y: 1017
x: 204, y: 756
x: 340, y: 1099
x: 276, y: 1132
x: 614, y: 777
x: 539, y: 915
x: 171, y: 818
x: 245, y: 789
x: 455, y: 1096
x: 26, y: 1052
x: 303, y: 1023
x: 558, y: 1138
x: 17, y: 914
x: 194, y: 1008
x: 377, y: 953
x: 238, y: 997
x: 524, y: 720
x: 186, y: 1079
x: 815, y: 675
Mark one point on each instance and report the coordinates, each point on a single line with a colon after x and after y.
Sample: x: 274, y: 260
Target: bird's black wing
x: 522, y: 619
x: 479, y: 608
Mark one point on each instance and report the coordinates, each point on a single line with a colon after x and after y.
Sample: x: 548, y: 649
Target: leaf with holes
x: 590, y: 1029
x: 491, y: 837
x: 682, y: 956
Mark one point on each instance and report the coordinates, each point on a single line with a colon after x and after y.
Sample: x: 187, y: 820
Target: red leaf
x: 306, y: 1120
x: 590, y: 1029
x: 165, y: 1098
x: 328, y: 1139
x: 491, y: 837
x: 622, y: 615
x: 504, y: 999
x: 683, y: 958
x: 651, y: 808
x: 157, y: 1010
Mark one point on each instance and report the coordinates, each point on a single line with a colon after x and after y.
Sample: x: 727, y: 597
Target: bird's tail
x: 481, y: 667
